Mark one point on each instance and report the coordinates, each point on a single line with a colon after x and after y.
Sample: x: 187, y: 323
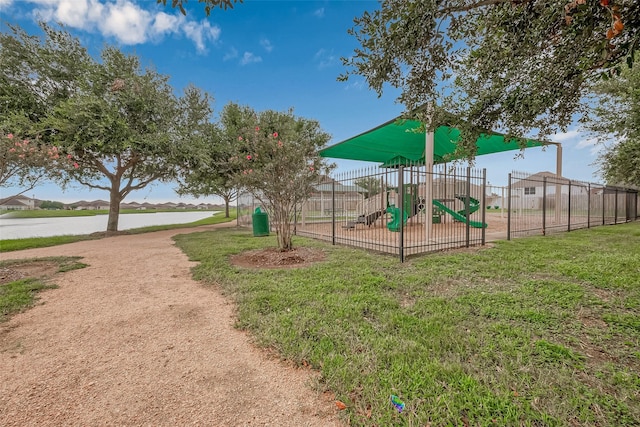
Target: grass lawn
x: 20, y: 294
x: 9, y: 245
x: 541, y: 331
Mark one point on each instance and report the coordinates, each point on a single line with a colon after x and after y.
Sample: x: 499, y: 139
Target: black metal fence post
x: 483, y: 205
x: 402, y: 210
x: 467, y: 207
x: 509, y: 209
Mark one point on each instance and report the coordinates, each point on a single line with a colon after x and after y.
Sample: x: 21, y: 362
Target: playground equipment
x: 372, y: 211
x: 413, y: 204
x: 461, y: 215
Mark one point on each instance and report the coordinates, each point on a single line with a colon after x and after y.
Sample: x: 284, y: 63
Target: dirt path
x: 133, y: 340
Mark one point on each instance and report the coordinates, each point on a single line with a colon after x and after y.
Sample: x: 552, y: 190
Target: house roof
x: 13, y: 201
x: 533, y: 179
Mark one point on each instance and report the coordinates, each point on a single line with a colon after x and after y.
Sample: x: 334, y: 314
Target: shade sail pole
x: 428, y: 162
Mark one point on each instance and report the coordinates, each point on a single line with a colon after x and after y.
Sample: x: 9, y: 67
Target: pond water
x: 20, y: 228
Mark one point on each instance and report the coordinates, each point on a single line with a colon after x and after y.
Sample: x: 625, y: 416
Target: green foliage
x: 118, y: 127
x: 48, y: 204
x: 209, y: 5
x: 615, y: 121
x: 27, y: 97
x: 371, y: 185
x: 517, y: 67
x: 212, y: 172
x: 278, y: 162
x: 504, y: 336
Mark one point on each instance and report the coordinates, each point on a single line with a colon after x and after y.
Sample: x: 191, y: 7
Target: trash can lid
x: 258, y: 210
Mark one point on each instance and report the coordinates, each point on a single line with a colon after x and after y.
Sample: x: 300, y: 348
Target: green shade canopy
x: 397, y: 142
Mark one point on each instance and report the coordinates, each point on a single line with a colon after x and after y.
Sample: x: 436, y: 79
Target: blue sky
x: 265, y: 54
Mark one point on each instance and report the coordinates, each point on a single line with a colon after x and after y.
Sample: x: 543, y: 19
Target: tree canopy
x: 278, y: 162
x: 614, y: 120
x: 213, y: 173
x: 520, y: 67
x: 120, y: 127
x: 27, y: 97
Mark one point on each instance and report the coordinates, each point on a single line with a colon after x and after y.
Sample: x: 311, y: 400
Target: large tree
x: 125, y: 128
x: 213, y: 173
x: 517, y: 66
x: 614, y: 120
x: 119, y: 126
x: 27, y: 97
x: 279, y: 163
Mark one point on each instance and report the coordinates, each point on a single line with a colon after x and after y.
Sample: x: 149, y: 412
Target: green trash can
x: 260, y: 222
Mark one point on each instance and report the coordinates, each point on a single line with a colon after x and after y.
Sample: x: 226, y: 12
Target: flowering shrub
x: 25, y: 162
x: 279, y: 163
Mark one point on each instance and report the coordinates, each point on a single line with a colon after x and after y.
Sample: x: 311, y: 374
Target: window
x: 529, y: 190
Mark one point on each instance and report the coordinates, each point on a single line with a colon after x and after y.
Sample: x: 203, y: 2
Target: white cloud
x: 356, y: 85
x: 249, y: 58
x: 127, y: 22
x: 165, y: 23
x: 566, y: 136
x: 577, y: 139
x: 5, y: 3
x: 325, y: 58
x: 319, y: 12
x: 124, y: 20
x: 231, y: 54
x: 266, y: 44
x: 200, y: 33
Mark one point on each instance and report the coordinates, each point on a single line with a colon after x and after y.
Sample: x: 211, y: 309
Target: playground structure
x: 415, y: 202
x: 383, y: 218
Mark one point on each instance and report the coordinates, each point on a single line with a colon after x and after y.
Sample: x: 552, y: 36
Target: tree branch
x: 90, y: 185
x: 129, y: 188
x: 480, y: 4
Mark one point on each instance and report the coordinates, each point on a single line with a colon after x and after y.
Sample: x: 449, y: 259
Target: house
x: 93, y: 205
x: 17, y: 203
x: 347, y: 197
x: 132, y: 205
x: 167, y: 205
x: 528, y: 192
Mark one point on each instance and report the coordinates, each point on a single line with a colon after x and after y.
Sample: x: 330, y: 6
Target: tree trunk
x: 226, y: 207
x: 114, y: 209
x: 283, y: 228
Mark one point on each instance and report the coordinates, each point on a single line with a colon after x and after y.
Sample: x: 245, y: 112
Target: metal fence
x: 386, y: 209
x: 542, y: 203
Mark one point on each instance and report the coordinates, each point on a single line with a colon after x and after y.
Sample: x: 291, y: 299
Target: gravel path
x: 132, y: 340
